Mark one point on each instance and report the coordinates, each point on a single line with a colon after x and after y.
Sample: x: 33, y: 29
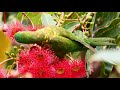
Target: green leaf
x: 100, y: 41
x: 71, y: 25
x: 106, y: 70
x: 118, y: 40
x: 80, y: 34
x: 112, y: 30
x: 87, y: 57
x: 35, y: 17
x: 19, y: 15
x: 103, y: 19
x: 117, y: 67
x: 47, y: 20
x: 109, y: 55
x: 75, y: 55
x: 105, y: 57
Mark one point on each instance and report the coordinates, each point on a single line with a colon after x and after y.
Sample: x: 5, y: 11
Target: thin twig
x: 85, y: 20
x: 6, y: 61
x: 71, y: 19
x: 61, y: 18
x: 8, y: 72
x: 22, y: 18
x: 92, y: 28
x: 4, y: 17
x: 29, y: 19
x: 77, y: 17
x: 84, y: 28
x: 69, y: 15
x: 84, y: 25
x: 69, y: 57
x: 78, y: 25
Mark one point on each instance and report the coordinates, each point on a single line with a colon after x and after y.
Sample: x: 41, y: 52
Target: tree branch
x: 28, y: 19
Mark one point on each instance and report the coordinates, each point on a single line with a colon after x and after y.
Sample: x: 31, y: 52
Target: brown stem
x: 61, y: 18
x: 69, y: 57
x: 85, y: 20
x: 78, y: 25
x: 4, y: 17
x: 77, y: 17
x: 71, y: 19
x: 69, y: 14
x: 22, y: 18
x: 28, y: 18
x: 93, y: 26
x: 84, y: 28
x: 5, y: 61
x: 8, y: 72
x: 84, y: 25
x: 82, y: 55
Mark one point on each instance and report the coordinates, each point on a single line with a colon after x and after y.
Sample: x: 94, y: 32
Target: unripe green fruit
x: 15, y: 48
x: 62, y: 22
x: 55, y: 12
x: 89, y: 18
x: 66, y: 16
x: 86, y: 33
x: 55, y: 19
x: 59, y: 13
x: 91, y: 23
x: 81, y: 22
x: 6, y: 53
x: 12, y: 55
x: 19, y: 50
x: 22, y: 47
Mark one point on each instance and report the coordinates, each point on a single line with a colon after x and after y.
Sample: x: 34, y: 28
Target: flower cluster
x: 2, y: 73
x: 36, y: 60
x: 43, y: 63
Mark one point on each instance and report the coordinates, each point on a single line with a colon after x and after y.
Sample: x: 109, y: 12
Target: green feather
x: 59, y: 39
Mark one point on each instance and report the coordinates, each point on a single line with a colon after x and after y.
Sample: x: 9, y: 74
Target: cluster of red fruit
x: 40, y: 62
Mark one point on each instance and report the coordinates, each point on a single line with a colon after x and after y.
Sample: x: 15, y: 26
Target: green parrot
x: 56, y: 38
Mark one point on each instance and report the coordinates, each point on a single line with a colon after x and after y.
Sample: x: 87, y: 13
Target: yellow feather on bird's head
x: 5, y: 45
